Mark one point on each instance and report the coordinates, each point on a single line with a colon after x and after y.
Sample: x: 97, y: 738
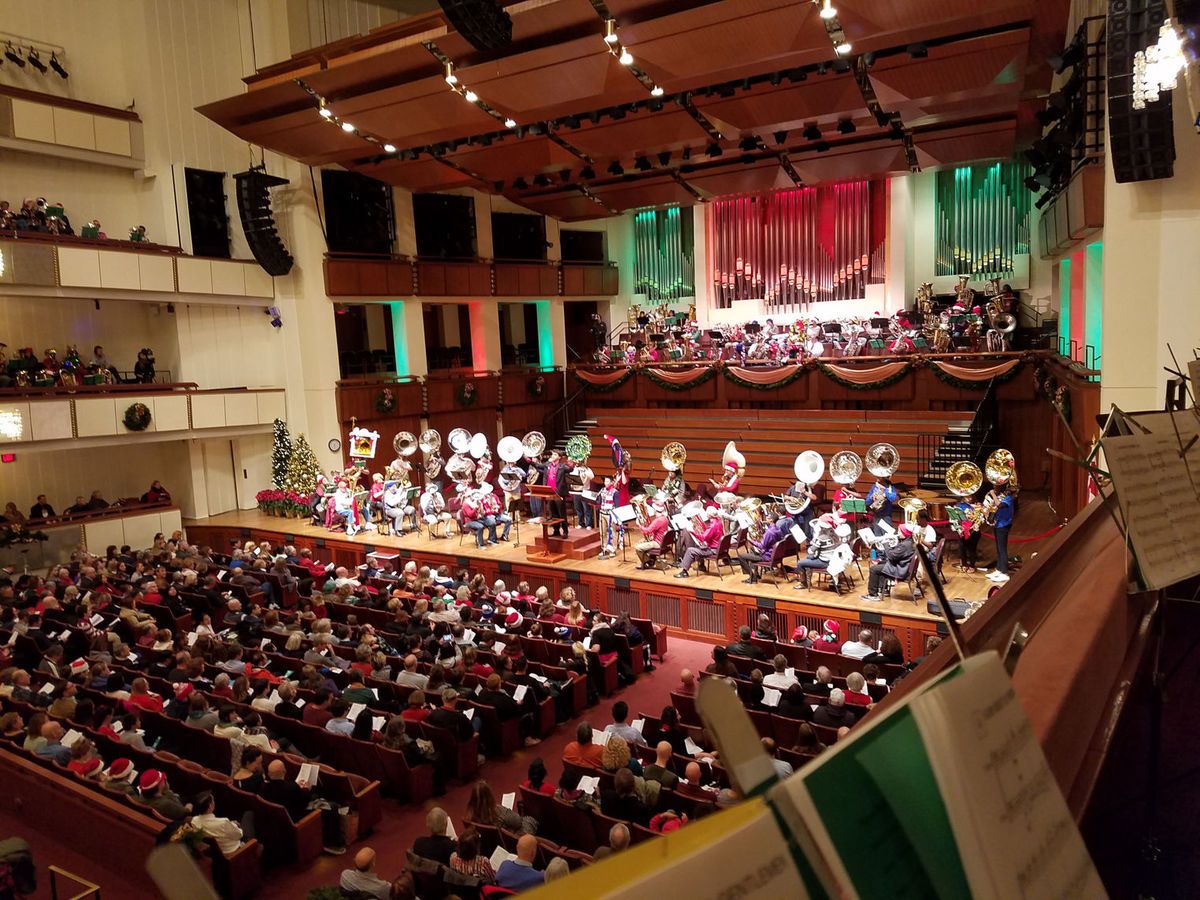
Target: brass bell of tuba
x: 882, y: 460
x: 405, y: 443
x: 674, y: 455
x: 964, y: 478
x: 1000, y: 466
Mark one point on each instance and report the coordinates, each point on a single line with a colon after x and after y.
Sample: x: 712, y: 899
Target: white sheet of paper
x: 600, y: 737
x: 789, y: 672
x: 355, y: 709
x: 70, y: 738
x: 540, y: 679
x: 191, y: 638
x: 509, y: 801
x: 221, y: 575
x: 64, y: 634
x: 771, y: 697
x: 133, y: 657
x: 309, y: 773
x: 691, y: 747
x: 1155, y: 495
x: 47, y: 688
x: 450, y: 832
x: 469, y: 636
x: 117, y: 727
x: 887, y: 526
x: 378, y: 722
x: 469, y: 712
x: 881, y: 681
x: 798, y: 533
x: 639, y: 725
x: 520, y: 692
x: 96, y: 619
x: 499, y: 629
x: 587, y: 642
x: 589, y: 783
x: 262, y: 645
x: 498, y: 647
x: 299, y: 701
x: 867, y: 536
x: 498, y: 856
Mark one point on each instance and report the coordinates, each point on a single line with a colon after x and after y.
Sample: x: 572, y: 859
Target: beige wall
x: 1151, y: 241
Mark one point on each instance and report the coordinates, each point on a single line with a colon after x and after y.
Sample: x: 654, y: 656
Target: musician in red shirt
x: 703, y: 540
x: 653, y: 533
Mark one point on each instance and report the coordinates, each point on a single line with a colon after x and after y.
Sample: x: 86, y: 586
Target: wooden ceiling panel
x: 420, y: 175
x: 720, y: 41
x: 569, y: 206
x: 642, y: 132
x: 654, y: 192
x: 766, y: 175
x: 890, y: 23
x: 956, y: 70
x: 960, y: 145
x: 850, y: 162
x: 507, y: 160
x: 376, y: 72
x: 823, y: 99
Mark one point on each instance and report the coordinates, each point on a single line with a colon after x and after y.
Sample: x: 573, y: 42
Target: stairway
x: 580, y: 427
x: 955, y: 447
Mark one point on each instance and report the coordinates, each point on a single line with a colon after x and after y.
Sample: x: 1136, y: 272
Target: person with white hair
x: 397, y: 508
x: 835, y: 713
x: 433, y: 510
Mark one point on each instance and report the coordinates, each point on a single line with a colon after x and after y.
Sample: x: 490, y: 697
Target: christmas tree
x: 281, y: 454
x: 302, y: 469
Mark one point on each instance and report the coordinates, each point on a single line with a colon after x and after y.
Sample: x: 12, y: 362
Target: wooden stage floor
x: 1036, y: 518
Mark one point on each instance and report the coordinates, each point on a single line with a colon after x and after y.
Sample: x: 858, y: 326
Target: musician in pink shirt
x: 653, y: 533
x: 702, y: 543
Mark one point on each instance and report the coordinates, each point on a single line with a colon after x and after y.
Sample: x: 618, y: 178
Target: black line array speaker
x: 254, y: 207
x: 482, y: 22
x: 1141, y: 141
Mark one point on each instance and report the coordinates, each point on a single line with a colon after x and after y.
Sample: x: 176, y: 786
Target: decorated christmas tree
x: 281, y: 454
x: 302, y: 470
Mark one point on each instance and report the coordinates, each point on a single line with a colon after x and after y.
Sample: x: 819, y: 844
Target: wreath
x: 137, y: 417
x: 537, y: 386
x: 385, y: 401
x: 467, y: 394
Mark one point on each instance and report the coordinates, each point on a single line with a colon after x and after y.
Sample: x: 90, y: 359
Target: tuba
x: 845, y: 467
x: 963, y: 478
x: 674, y: 455
x: 882, y: 460
x: 639, y: 507
x: 808, y: 468
x: 534, y: 444
x: 731, y: 456
x: 430, y: 443
x: 911, y: 506
x: 459, y: 440
x: 1000, y: 467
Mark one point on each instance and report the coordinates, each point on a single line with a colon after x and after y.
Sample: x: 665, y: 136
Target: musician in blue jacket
x: 1002, y: 519
x: 880, y: 500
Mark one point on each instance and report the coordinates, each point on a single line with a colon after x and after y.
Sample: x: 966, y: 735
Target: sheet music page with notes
x: 1157, y: 496
x: 1015, y: 835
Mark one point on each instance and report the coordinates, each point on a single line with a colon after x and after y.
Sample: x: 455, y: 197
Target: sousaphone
x: 459, y: 440
x: 509, y: 448
x: 845, y: 467
x: 478, y: 445
x: 731, y: 456
x: 1000, y: 466
x: 405, y: 443
x: 882, y: 460
x: 964, y: 478
x: 674, y: 455
x: 808, y: 467
x: 534, y: 444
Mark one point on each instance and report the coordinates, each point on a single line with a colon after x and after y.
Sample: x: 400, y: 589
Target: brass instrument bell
x: 674, y: 455
x: 405, y: 443
x: 882, y: 460
x: 964, y: 478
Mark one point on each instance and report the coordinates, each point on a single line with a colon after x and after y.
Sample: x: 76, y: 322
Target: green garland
x: 671, y: 386
x: 604, y: 388
x: 870, y: 385
x: 137, y: 417
x: 800, y: 372
x: 977, y: 385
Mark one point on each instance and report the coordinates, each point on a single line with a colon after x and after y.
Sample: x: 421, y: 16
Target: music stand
x: 546, y: 494
x: 624, y: 515
x: 880, y: 323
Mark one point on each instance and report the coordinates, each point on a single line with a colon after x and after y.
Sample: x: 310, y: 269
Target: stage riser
x: 705, y: 615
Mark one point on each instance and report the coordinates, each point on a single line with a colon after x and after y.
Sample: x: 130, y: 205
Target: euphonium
x: 674, y: 455
x: 639, y: 508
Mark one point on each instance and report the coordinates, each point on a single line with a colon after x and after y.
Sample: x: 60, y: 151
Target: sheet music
x: 1015, y: 833
x: 589, y: 783
x: 1156, y: 494
x: 520, y: 692
x: 310, y: 774
x: 771, y: 697
x: 798, y: 533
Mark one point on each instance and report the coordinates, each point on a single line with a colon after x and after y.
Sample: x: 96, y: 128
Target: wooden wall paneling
x: 431, y: 278
x: 372, y: 277
x: 508, y: 281
x: 572, y: 280
x: 610, y: 280
x: 593, y: 281
x: 399, y: 279
x: 341, y: 278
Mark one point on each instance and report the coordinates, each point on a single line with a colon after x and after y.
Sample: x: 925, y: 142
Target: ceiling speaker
x: 482, y: 22
x: 258, y: 222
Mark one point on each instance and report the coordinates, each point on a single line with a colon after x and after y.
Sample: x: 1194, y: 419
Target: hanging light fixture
x: 325, y: 112
x: 58, y: 66
x: 1156, y: 69
x: 828, y: 11
x: 347, y: 127
x: 626, y: 58
x: 656, y: 91
x: 471, y: 96
x: 389, y: 148
x: 510, y: 123
x: 843, y: 48
x: 451, y: 78
x: 610, y: 31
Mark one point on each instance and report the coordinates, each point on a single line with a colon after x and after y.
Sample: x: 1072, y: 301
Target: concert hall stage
x: 703, y: 607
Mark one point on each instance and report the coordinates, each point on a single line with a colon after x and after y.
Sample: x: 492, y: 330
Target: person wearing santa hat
x: 157, y: 794
x: 119, y: 777
x: 820, y: 553
x: 702, y: 541
x: 894, y: 564
x: 653, y: 532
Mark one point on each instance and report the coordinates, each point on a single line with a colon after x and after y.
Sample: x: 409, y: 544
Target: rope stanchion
x: 1022, y: 540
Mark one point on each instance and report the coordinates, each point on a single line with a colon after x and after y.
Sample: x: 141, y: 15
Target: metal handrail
x: 89, y: 889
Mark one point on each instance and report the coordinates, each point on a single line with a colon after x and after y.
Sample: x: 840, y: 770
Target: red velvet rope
x: 1024, y: 540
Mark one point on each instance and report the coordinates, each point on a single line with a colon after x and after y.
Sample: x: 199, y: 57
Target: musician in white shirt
x: 433, y: 509
x: 584, y: 508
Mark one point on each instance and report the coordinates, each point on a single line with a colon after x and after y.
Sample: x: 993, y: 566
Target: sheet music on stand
x: 1156, y: 489
x: 624, y: 514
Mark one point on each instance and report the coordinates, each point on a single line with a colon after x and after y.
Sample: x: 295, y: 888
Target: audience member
x: 435, y: 845
x: 519, y: 874
x: 362, y: 878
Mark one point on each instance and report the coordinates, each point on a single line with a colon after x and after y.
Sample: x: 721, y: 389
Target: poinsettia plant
x: 275, y: 502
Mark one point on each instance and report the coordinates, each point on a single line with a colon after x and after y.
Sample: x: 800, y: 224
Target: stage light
x: 587, y: 173
x: 918, y: 50
x: 510, y: 123
x: 451, y: 78
x: 828, y: 10
x: 822, y: 146
x: 520, y: 184
x: 664, y: 157
x: 541, y: 181
x: 780, y: 136
x: 846, y: 126
x: 686, y: 154
x: 882, y: 118
x: 747, y: 144
x: 325, y: 112
x: 1043, y: 200
x: 842, y: 49
x: 35, y: 60
x: 795, y: 75
x: 841, y: 65
x: 565, y: 175
x: 615, y: 168
x: 626, y: 58
x: 714, y: 149
x: 58, y: 67
x: 470, y: 96
x: 656, y: 91
x: 812, y: 133
x: 610, y: 31
x: 347, y: 127
x: 389, y: 148
x: 11, y: 54
x: 642, y: 164
x: 1071, y: 56
x: 1048, y: 116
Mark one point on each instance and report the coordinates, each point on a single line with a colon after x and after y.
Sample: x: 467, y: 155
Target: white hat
x: 485, y: 488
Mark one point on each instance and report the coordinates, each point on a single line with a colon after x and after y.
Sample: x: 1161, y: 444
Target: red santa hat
x: 122, y: 770
x: 513, y: 619
x: 618, y: 452
x: 831, y: 627
x: 183, y: 690
x: 150, y: 780
x: 92, y: 767
x: 905, y: 530
x: 799, y: 634
x: 78, y: 667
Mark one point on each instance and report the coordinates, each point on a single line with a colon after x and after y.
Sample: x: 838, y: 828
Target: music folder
x: 624, y: 514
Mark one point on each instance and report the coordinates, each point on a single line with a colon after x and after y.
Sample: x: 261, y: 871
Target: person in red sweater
x: 140, y: 697
x: 702, y: 541
x: 417, y: 709
x: 537, y: 778
x: 856, y: 690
